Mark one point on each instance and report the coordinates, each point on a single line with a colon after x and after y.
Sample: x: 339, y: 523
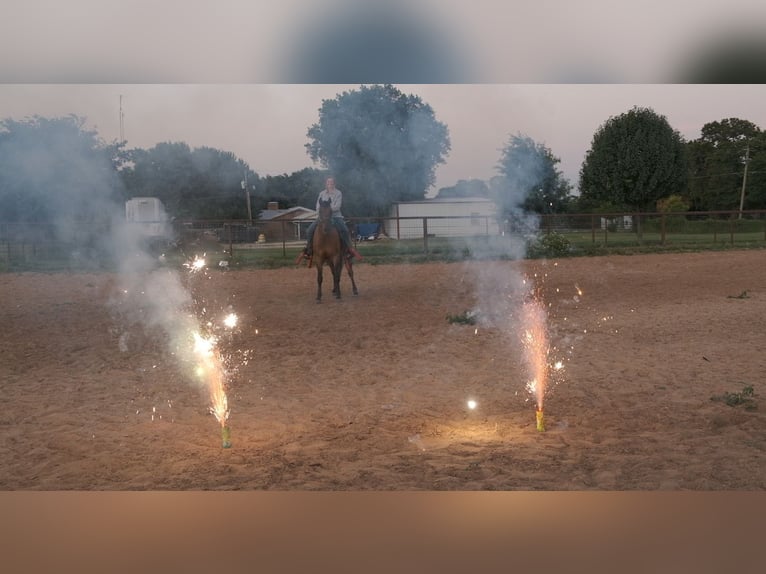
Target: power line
x: 723, y: 174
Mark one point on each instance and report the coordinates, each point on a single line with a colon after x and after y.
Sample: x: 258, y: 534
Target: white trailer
x: 148, y: 216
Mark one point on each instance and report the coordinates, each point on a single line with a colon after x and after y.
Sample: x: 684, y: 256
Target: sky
x: 266, y: 124
x: 394, y: 41
x: 249, y: 77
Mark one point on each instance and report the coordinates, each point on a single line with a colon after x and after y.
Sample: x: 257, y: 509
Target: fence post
x: 731, y: 229
x: 231, y: 244
x: 425, y: 235
x: 284, y: 245
x: 662, y: 226
x: 593, y: 229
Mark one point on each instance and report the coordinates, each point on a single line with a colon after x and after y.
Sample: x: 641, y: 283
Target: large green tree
x: 635, y: 159
x: 380, y: 144
x: 717, y: 162
x: 200, y: 183
x: 530, y: 179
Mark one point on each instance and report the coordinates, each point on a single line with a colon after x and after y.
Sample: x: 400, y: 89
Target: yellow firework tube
x: 226, y: 437
x: 540, y: 420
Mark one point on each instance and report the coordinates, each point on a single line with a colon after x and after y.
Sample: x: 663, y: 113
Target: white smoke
x: 151, y: 301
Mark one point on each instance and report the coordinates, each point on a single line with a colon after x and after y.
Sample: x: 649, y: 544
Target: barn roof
x: 447, y: 200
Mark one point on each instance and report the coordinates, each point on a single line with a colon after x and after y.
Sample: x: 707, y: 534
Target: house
x: 285, y: 224
x: 444, y: 217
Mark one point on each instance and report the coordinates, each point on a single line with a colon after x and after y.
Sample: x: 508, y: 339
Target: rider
x: 336, y: 198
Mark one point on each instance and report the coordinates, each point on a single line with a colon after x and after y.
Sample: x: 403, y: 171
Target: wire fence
x: 41, y: 246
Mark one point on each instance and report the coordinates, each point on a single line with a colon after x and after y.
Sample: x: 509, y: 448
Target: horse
x: 350, y: 269
x: 327, y: 248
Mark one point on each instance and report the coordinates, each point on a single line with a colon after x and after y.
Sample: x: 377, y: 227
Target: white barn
x: 445, y: 217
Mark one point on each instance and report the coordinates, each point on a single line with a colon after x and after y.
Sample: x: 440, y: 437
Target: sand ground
x: 369, y: 392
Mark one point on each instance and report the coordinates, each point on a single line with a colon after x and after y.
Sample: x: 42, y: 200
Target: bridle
x: 325, y: 217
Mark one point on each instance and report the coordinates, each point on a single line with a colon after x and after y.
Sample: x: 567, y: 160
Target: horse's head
x: 325, y: 211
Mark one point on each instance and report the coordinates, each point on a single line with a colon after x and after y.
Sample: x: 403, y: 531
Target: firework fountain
x: 211, y: 372
x: 534, y: 339
x: 513, y: 302
x: 209, y: 364
x: 158, y: 297
x: 538, y: 351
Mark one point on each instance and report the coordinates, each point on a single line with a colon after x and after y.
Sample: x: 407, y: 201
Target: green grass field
x: 567, y: 244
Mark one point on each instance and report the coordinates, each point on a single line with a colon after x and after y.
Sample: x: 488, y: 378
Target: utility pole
x: 122, y: 123
x: 247, y: 197
x: 744, y: 181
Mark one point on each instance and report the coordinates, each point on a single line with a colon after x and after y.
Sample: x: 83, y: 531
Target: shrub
x: 550, y: 245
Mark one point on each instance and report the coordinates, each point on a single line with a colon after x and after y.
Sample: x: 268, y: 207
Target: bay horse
x: 327, y: 248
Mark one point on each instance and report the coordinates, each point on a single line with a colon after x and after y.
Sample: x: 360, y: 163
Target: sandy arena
x: 370, y: 393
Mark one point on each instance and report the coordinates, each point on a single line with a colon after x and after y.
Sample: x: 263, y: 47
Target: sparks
x: 210, y: 369
x: 195, y: 265
x: 471, y: 404
x: 535, y: 343
x: 231, y: 320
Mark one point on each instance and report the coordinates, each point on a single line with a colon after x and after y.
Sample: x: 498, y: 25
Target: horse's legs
x: 350, y: 268
x: 337, y: 268
x: 319, y: 281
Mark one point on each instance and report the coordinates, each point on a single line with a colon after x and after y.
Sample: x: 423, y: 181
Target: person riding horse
x: 334, y: 195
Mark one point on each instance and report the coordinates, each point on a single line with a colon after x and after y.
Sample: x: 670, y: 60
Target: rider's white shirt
x: 336, y: 199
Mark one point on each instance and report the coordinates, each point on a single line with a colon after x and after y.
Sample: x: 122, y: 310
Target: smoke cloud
x: 57, y: 179
x: 59, y: 184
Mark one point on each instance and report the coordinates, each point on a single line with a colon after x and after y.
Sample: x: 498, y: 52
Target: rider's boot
x: 353, y: 253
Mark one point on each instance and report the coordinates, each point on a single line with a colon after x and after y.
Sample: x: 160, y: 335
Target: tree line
x: 385, y: 146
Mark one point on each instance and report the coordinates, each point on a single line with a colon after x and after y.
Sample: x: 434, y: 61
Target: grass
x: 743, y: 398
x: 465, y: 318
x: 385, y: 251
x: 742, y: 295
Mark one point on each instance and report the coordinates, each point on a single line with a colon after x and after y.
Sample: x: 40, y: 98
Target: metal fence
x: 659, y: 228
x: 22, y: 244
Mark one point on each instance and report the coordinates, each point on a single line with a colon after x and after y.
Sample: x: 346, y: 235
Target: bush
x: 550, y: 245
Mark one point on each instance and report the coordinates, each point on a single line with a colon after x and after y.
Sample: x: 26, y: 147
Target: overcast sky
x: 265, y: 125
x: 317, y: 41
x: 211, y: 72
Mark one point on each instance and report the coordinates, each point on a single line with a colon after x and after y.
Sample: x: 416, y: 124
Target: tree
x: 635, y: 159
x: 716, y: 165
x: 204, y: 183
x: 381, y: 145
x: 299, y: 188
x: 755, y: 189
x: 530, y: 179
x: 672, y: 204
x: 54, y: 170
